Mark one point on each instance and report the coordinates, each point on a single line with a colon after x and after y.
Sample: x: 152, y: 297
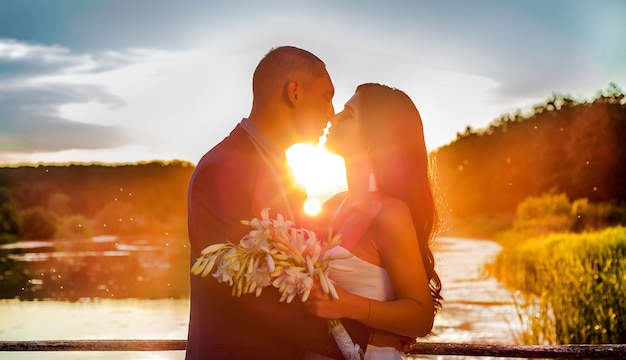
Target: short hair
x: 283, y: 64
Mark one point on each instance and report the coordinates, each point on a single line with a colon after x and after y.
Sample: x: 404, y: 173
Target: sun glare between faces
x: 321, y: 173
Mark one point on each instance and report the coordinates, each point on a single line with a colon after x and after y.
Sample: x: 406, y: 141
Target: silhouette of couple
x: 386, y: 219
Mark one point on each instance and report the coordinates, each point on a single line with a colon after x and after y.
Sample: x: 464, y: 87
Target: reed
x: 571, y: 286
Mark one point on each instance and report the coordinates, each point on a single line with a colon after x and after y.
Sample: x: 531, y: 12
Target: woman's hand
x: 324, y: 306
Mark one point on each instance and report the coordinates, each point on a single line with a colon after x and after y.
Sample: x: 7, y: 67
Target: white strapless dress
x: 367, y: 280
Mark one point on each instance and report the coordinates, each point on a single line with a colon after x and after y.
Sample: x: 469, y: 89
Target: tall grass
x: 573, y: 286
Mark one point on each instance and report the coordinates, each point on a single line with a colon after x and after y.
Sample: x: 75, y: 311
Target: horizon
x: 524, y: 114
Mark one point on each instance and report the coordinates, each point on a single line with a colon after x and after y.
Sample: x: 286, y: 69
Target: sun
x: 321, y: 173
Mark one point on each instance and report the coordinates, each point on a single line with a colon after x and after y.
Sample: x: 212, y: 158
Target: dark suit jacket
x: 232, y: 183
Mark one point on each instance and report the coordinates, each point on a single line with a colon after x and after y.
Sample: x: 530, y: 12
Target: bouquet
x: 277, y: 253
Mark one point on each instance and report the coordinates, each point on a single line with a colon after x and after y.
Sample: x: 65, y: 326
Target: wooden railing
x: 451, y: 349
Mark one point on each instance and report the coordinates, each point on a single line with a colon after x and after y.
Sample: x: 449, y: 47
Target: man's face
x: 316, y: 109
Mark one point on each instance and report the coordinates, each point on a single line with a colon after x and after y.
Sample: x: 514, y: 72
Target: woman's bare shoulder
x: 393, y: 219
x: 393, y: 209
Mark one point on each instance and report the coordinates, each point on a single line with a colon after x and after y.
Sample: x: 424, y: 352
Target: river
x: 477, y: 309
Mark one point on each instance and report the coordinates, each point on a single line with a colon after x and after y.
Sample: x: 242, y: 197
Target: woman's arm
x: 412, y: 312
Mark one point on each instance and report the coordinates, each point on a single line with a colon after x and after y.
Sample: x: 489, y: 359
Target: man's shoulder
x: 233, y: 150
x: 232, y: 161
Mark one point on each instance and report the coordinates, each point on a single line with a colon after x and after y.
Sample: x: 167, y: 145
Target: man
x: 234, y: 181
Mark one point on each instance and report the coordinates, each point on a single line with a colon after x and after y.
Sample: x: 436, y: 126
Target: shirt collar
x: 263, y: 141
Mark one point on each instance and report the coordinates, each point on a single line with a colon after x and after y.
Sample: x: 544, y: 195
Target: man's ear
x: 293, y: 92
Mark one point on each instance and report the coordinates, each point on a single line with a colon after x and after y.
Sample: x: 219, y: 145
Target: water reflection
x: 99, y: 267
x: 91, y: 355
x: 94, y: 319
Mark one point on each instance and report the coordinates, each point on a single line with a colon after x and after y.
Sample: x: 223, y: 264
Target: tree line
x: 48, y: 201
x: 563, y: 145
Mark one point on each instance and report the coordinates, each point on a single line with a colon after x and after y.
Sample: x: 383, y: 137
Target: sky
x: 124, y: 81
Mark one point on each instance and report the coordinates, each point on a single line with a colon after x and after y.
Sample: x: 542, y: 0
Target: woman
x: 386, y: 220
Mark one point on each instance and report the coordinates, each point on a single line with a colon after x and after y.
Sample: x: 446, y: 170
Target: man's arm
x: 214, y: 217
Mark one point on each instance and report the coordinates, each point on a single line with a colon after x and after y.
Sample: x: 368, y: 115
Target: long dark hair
x: 392, y: 128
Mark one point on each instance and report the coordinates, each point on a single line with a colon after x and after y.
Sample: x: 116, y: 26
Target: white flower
x: 271, y: 266
x: 257, y: 278
x: 228, y: 267
x: 282, y: 226
x: 293, y: 281
x: 255, y: 240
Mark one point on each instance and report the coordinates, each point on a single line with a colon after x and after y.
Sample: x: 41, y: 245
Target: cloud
x: 30, y: 99
x: 140, y: 104
x: 29, y: 120
x: 21, y: 60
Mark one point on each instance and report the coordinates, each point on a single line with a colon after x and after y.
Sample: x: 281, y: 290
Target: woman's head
x: 384, y: 123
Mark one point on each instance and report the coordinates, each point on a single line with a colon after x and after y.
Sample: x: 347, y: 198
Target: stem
x: 349, y: 349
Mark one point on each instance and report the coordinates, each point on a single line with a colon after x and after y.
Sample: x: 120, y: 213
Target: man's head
x: 293, y: 90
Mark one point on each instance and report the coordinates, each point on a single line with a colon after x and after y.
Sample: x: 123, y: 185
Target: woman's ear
x: 293, y: 90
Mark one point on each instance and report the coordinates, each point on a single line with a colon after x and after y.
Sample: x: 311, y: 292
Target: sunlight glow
x: 122, y: 154
x: 321, y: 173
x: 312, y: 206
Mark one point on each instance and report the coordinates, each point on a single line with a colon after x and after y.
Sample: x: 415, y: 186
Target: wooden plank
x: 93, y: 345
x: 607, y: 351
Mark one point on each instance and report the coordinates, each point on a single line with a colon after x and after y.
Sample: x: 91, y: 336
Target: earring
x: 372, y: 185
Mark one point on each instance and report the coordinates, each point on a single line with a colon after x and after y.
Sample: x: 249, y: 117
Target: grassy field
x: 571, y: 285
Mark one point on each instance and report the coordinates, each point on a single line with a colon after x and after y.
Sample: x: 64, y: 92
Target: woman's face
x: 345, y: 137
